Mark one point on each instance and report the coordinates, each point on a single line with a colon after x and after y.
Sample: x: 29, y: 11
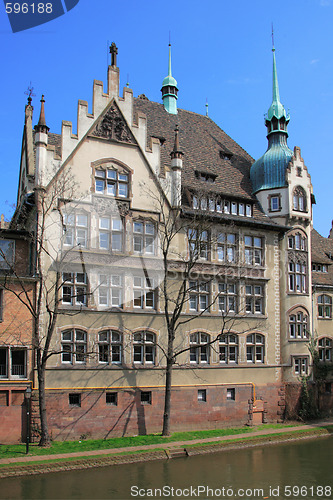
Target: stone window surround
x: 117, y: 165
x: 269, y: 199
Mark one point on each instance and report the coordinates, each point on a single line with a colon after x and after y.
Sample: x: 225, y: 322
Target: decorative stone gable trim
x: 113, y: 127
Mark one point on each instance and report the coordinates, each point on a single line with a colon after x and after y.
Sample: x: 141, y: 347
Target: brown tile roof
x: 321, y: 248
x: 55, y: 140
x: 206, y: 148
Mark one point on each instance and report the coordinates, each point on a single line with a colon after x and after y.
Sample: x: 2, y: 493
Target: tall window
x: 297, y: 241
x: 299, y: 199
x: 76, y: 230
x: 74, y: 289
x: 199, y: 295
x: 144, y: 292
x: 112, y: 182
x: 7, y: 250
x: 297, y: 262
x: 228, y: 348
x: 227, y: 297
x: 324, y: 306
x: 111, y: 234
x: 325, y: 349
x: 298, y: 325
x: 254, y: 299
x: 297, y: 277
x: 226, y: 247
x: 74, y: 346
x: 109, y: 347
x: 198, y: 244
x: 110, y: 290
x: 144, y: 347
x: 253, y: 250
x: 199, y: 350
x: 144, y: 234
x: 255, y: 348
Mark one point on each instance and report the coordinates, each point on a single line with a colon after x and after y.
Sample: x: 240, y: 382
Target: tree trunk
x: 45, y: 440
x: 167, y: 397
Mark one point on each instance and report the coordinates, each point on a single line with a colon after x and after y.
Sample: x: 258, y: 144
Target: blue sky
x: 221, y: 50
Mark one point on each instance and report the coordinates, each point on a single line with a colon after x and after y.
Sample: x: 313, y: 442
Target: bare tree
x: 44, y: 221
x: 185, y: 240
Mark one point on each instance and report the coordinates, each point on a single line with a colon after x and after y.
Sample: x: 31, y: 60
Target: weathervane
x: 30, y: 94
x: 273, y: 38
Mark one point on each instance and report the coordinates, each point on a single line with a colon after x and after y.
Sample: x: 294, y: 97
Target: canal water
x: 302, y: 470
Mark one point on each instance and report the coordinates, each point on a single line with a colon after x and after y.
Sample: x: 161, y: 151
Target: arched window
x: 199, y: 350
x: 112, y: 179
x: 324, y: 306
x: 255, y: 348
x: 325, y: 349
x: 109, y: 347
x: 144, y: 348
x: 299, y: 199
x: 74, y: 346
x: 228, y: 348
x: 299, y: 324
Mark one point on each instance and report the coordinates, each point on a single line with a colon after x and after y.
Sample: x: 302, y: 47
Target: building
x: 17, y: 285
x: 250, y: 303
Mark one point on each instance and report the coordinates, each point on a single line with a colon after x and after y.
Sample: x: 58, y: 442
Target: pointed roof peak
x: 276, y: 109
x: 176, y: 152
x: 41, y: 126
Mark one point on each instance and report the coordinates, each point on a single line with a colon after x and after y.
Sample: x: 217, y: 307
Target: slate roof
x: 321, y: 248
x: 205, y: 146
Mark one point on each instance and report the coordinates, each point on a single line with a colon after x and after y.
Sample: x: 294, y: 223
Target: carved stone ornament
x: 110, y: 206
x: 112, y: 126
x: 297, y: 257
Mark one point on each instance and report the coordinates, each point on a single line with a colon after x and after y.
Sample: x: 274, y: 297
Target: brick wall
x: 97, y: 419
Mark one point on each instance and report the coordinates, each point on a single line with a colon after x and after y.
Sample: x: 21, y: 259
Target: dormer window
x: 112, y: 182
x: 205, y: 176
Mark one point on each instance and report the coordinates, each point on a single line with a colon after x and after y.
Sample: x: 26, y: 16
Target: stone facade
x: 132, y: 173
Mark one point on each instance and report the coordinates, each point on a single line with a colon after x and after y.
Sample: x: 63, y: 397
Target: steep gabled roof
x: 206, y: 148
x: 321, y: 249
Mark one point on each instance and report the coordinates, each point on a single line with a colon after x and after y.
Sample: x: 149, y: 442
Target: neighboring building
x: 16, y: 333
x: 131, y: 164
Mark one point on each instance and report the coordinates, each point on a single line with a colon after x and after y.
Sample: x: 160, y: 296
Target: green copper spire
x: 276, y: 109
x: 269, y: 172
x: 169, y: 90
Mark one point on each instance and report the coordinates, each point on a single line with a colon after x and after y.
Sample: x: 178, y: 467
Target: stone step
x: 176, y: 452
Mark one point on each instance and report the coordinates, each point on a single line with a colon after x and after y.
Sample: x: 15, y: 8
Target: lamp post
x: 28, y: 403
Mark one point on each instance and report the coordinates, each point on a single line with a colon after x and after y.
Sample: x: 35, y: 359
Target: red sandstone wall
x: 96, y: 419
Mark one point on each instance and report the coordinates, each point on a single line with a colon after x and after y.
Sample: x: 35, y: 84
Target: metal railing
x: 18, y: 371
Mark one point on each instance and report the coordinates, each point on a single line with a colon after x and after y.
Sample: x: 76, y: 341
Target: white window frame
x: 77, y: 284
x: 199, y: 350
x: 144, y: 293
x: 199, y: 295
x: 144, y: 348
x: 255, y: 348
x: 109, y: 347
x: 74, y: 346
x: 112, y: 182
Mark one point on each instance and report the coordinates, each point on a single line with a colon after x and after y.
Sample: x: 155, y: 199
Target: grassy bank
x: 113, y: 457
x: 60, y: 447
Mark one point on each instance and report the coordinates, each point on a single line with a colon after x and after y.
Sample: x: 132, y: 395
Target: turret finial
x: 114, y: 53
x: 41, y: 126
x: 169, y: 89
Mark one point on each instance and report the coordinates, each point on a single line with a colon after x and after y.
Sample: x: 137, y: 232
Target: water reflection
x: 307, y: 463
